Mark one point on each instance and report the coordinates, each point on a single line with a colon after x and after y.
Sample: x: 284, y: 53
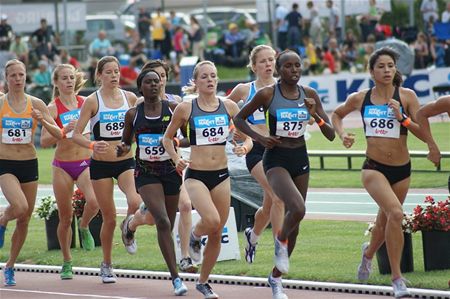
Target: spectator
x: 429, y: 8
x: 143, y: 25
x: 315, y: 28
x: 101, y: 46
x: 295, y: 25
x: 66, y: 58
x: 310, y: 54
x: 175, y: 21
x: 437, y: 51
x: 334, y: 22
x: 20, y: 49
x: 138, y: 55
x: 234, y: 41
x: 42, y: 82
x: 196, y: 34
x: 421, y: 51
x: 178, y: 42
x: 45, y: 41
x: 128, y: 75
x: 159, y: 23
x: 328, y: 61
x: 336, y: 51
x: 446, y: 14
x: 91, y: 71
x: 132, y: 37
x: 282, y: 26
x: 6, y: 33
x: 374, y: 14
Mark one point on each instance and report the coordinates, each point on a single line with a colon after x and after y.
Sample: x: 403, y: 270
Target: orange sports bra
x: 17, y: 128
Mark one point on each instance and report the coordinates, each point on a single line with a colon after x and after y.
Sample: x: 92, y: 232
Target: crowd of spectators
x: 318, y: 39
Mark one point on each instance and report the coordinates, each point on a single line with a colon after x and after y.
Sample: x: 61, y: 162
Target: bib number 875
x: 292, y: 126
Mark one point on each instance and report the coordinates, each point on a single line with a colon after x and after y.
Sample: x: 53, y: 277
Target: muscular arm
x: 87, y: 111
x: 239, y: 93
x: 352, y: 103
x: 127, y: 135
x: 261, y: 98
x: 179, y: 118
x: 40, y: 111
x: 411, y: 110
x: 47, y: 140
x: 442, y: 105
x: 326, y: 129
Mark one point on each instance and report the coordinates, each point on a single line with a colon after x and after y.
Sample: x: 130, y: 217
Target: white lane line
x: 351, y: 203
x: 66, y: 294
x: 339, y: 213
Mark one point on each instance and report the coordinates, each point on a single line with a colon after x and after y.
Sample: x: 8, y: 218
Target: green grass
x: 344, y: 178
x: 227, y: 73
x: 326, y: 251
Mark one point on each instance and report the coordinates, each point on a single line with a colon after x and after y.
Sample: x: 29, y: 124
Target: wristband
x: 245, y: 149
x: 177, y: 141
x: 63, y: 132
x: 320, y: 123
x: 91, y: 145
x: 406, y: 122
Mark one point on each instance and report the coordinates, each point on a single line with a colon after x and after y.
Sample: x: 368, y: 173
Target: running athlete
x: 141, y: 217
x: 388, y: 111
x: 288, y: 108
x: 71, y: 162
x: 206, y: 179
x: 262, y: 63
x: 19, y: 115
x: 105, y: 109
x: 155, y: 176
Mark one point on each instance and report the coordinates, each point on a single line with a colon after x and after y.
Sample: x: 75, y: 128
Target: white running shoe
x: 277, y: 288
x: 128, y: 235
x: 365, y: 267
x: 399, y: 287
x: 107, y: 273
x: 281, y: 258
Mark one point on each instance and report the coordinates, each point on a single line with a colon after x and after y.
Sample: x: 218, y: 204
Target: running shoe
x: 107, y: 273
x: 179, y: 288
x: 277, y: 288
x: 281, y: 258
x: 2, y: 235
x: 66, y: 271
x: 250, y: 249
x: 206, y: 290
x: 186, y: 265
x: 195, y: 247
x: 365, y: 267
x: 8, y: 275
x: 399, y: 287
x: 128, y: 235
x: 87, y: 240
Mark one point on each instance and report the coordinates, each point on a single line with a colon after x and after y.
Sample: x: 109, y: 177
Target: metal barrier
x: 322, y: 154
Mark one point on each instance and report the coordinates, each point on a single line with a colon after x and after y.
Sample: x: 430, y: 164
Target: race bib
x: 291, y: 122
x: 16, y: 130
x: 151, y: 149
x: 258, y: 116
x: 380, y: 121
x: 211, y: 129
x: 112, y: 123
x: 67, y: 117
